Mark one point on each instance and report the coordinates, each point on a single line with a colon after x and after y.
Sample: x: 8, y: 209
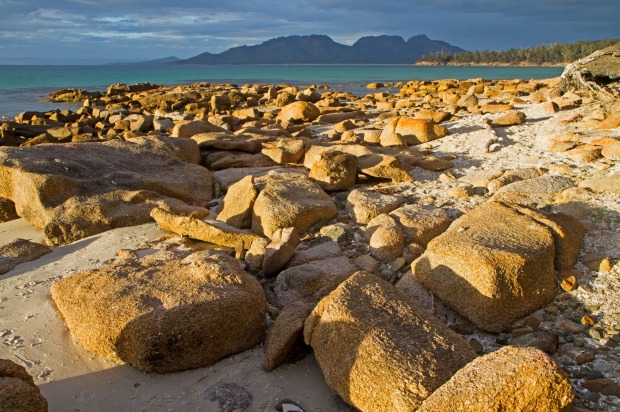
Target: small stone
x: 287, y: 405
x: 521, y: 331
x: 543, y: 340
x: 397, y: 264
x: 594, y: 374
x: 366, y: 263
x: 476, y: 346
x: 532, y: 322
x: 569, y: 326
x: 588, y: 321
x: 605, y: 265
x: 336, y: 232
x: 579, y: 355
x: 603, y: 386
x: 459, y: 192
x: 569, y: 284
x: 229, y: 396
x: 596, y: 333
x: 591, y: 396
x: 552, y: 309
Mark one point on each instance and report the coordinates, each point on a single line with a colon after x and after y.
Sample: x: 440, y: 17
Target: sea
x: 25, y: 87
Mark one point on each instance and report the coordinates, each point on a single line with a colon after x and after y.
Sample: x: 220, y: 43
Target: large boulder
x: 18, y: 392
x: 384, y: 167
x: 285, y: 150
x: 379, y: 350
x: 189, y: 128
x: 411, y: 131
x: 298, y: 112
x: 421, y: 224
x: 238, y: 203
x: 511, y: 379
x: 334, y: 170
x: 20, y: 251
x: 162, y: 313
x: 285, y: 333
x: 290, y: 200
x: 509, y: 119
x: 364, y: 204
x: 311, y: 281
x: 76, y: 190
x: 493, y: 265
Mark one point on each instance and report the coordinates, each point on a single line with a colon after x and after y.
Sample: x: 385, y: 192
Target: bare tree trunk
x: 594, y: 73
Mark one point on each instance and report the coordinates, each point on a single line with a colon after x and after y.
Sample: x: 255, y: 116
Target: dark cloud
x: 68, y: 30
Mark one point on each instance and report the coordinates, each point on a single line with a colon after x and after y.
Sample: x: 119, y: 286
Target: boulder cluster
x: 326, y: 239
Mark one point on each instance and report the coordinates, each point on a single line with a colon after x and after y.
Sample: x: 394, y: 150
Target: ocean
x: 23, y: 87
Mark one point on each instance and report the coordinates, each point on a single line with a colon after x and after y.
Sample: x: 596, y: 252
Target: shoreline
x: 454, y: 64
x: 557, y: 137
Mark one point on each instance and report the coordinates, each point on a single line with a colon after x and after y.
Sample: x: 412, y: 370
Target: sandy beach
x: 35, y: 336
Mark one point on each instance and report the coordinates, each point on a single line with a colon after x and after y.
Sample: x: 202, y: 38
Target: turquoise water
x: 22, y: 87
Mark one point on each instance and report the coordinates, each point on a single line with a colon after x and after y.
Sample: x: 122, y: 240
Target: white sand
x: 34, y: 336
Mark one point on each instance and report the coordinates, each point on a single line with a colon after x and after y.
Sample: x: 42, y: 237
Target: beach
x: 482, y: 142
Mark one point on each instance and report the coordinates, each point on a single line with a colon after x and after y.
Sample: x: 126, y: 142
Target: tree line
x: 537, y: 55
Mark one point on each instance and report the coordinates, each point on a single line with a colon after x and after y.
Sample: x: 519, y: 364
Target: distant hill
x: 163, y: 60
x: 554, y: 54
x: 321, y: 49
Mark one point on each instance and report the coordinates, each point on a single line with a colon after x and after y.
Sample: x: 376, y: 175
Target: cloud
x: 145, y: 29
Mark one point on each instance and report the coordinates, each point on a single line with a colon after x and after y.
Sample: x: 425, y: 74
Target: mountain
x: 321, y: 49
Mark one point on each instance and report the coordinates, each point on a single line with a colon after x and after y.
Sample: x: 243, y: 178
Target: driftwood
x: 598, y: 73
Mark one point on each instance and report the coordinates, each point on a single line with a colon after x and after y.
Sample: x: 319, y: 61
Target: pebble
x: 397, y: 264
x: 569, y: 284
x: 602, y: 386
x: 543, y: 340
x: 521, y: 331
x: 591, y: 396
x: 579, y: 355
x: 476, y: 346
x: 596, y: 333
x: 552, y: 309
x: 588, y: 321
x: 569, y: 326
x: 287, y: 405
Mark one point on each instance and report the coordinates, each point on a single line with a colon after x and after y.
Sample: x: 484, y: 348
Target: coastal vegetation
x: 553, y: 54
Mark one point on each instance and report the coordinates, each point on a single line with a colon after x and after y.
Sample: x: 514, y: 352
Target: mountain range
x: 321, y: 49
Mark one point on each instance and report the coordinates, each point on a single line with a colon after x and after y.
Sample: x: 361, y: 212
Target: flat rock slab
x: 212, y: 231
x: 20, y: 251
x: 609, y: 184
x: 162, y: 313
x: 540, y: 190
x: 511, y: 379
x: 77, y: 190
x: 379, y: 350
x: 493, y: 265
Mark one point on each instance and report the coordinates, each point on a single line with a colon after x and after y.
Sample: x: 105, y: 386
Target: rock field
x: 432, y: 245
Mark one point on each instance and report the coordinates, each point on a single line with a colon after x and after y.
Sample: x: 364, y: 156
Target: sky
x: 99, y: 31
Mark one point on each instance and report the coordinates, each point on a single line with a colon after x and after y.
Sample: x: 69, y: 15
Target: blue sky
x: 96, y: 31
